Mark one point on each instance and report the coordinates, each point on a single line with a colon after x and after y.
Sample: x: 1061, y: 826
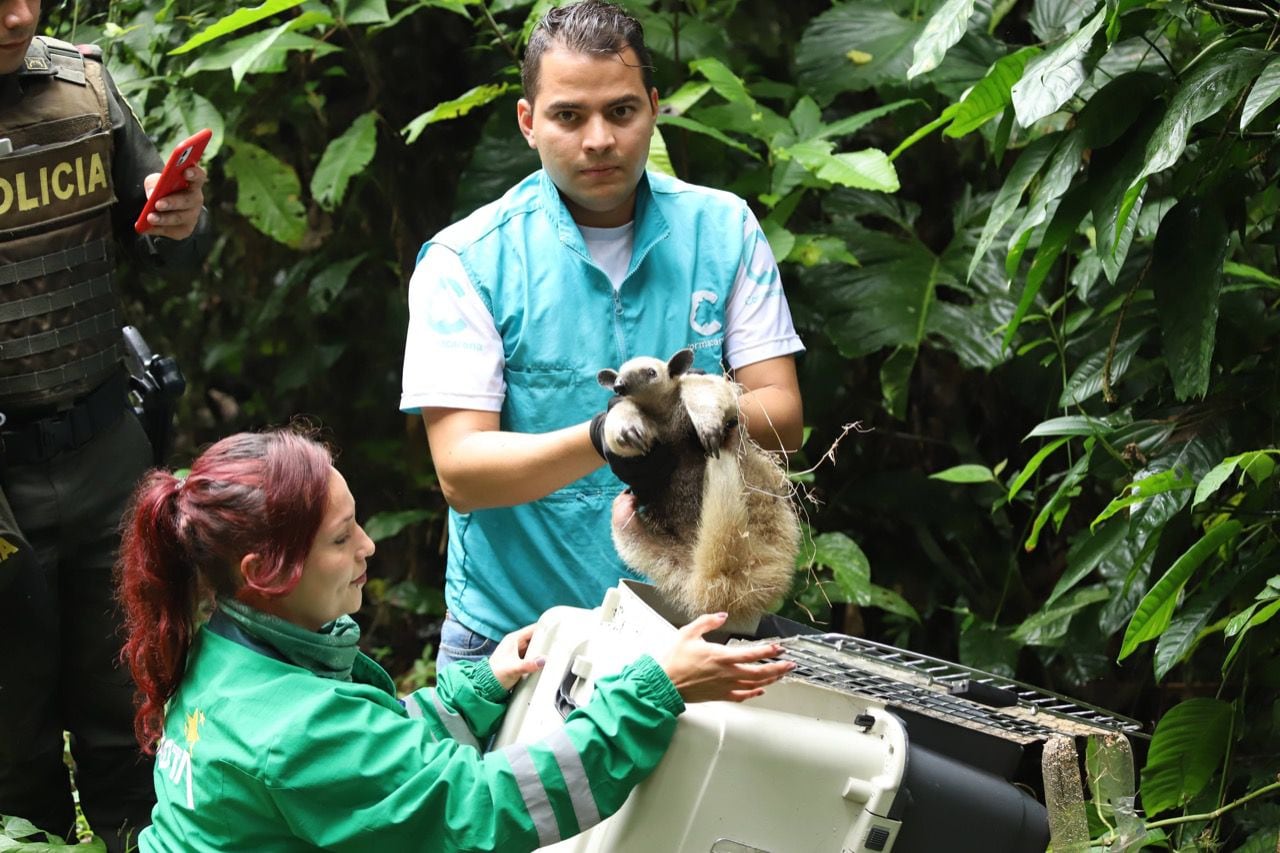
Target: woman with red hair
x: 274, y: 732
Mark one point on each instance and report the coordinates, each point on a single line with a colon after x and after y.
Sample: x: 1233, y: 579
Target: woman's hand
x: 707, y: 672
x: 508, y: 660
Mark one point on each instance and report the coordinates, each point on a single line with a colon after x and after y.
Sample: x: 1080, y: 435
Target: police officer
x: 75, y: 168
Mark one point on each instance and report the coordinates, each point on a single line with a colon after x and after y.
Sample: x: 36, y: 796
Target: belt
x: 29, y: 442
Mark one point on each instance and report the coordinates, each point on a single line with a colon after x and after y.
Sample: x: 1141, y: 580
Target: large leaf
x: 1186, y: 275
x: 945, y: 28
x: 1054, y: 181
x: 868, y: 169
x: 1050, y: 20
x: 659, y: 157
x: 455, y: 108
x: 1204, y: 91
x: 1156, y: 608
x: 854, y: 46
x: 1145, y: 487
x: 222, y: 56
x: 343, y: 158
x: 235, y: 22
x: 855, y: 122
x: 1073, y: 207
x: 887, y: 300
x: 191, y: 112
x: 1006, y: 201
x: 1177, y: 640
x: 686, y: 123
x: 1054, y: 77
x: 268, y: 193
x: 1188, y: 746
x: 1085, y: 555
x: 1086, y: 381
x: 1049, y: 625
x: 1263, y: 94
x: 992, y: 95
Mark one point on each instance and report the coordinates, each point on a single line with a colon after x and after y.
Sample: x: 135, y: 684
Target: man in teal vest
x: 586, y: 263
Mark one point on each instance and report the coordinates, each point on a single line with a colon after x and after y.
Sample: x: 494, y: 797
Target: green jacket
x: 260, y: 754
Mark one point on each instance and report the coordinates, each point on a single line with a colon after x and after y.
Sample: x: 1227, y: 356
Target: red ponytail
x: 259, y: 493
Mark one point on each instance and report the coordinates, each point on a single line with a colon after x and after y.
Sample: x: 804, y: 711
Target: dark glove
x: 647, y: 475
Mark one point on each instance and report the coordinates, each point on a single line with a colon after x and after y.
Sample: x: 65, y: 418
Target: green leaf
x: 1186, y: 276
x: 191, y: 112
x: 1212, y: 481
x: 659, y: 157
x: 366, y: 12
x: 1204, y: 91
x: 240, y: 67
x: 1074, y: 205
x: 1233, y: 269
x: 680, y: 101
x: 722, y: 79
x: 886, y: 301
x: 222, y: 56
x: 1086, y: 380
x: 891, y: 602
x: 895, y: 380
x: 855, y: 122
x: 992, y: 95
x: 1006, y: 201
x: 1070, y: 425
x: 329, y: 283
x: 1052, y: 19
x: 1051, y: 79
x: 1189, y: 744
x: 945, y: 27
x: 1156, y: 608
x: 869, y: 169
x: 781, y: 241
x: 1145, y: 487
x: 1263, y: 94
x: 343, y: 158
x: 1263, y: 615
x: 385, y: 525
x: 234, y: 22
x: 689, y: 124
x: 1033, y: 465
x: 1177, y: 640
x: 854, y: 46
x: 1058, y: 505
x: 1048, y: 626
x: 1089, y: 550
x: 1055, y: 180
x: 268, y: 193
x: 965, y: 474
x: 920, y: 133
x: 455, y: 108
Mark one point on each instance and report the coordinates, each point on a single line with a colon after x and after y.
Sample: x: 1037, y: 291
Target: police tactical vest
x: 59, y: 331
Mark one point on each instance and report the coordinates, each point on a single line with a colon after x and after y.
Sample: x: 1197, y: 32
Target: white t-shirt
x: 758, y: 325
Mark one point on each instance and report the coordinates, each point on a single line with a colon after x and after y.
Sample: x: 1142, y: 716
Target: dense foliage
x: 1032, y: 247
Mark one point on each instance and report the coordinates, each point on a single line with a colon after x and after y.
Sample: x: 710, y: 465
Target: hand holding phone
x: 185, y: 155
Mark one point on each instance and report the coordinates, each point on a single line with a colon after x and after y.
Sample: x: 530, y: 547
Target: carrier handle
x: 578, y: 667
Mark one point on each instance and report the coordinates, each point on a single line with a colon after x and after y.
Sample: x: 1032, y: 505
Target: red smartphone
x: 187, y: 153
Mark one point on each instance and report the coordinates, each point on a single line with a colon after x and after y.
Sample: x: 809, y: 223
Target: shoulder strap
x: 68, y: 64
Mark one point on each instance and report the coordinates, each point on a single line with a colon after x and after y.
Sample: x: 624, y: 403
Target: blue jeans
x: 458, y: 642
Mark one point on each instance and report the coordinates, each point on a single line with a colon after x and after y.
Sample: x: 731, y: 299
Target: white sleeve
x: 758, y: 322
x: 453, y: 356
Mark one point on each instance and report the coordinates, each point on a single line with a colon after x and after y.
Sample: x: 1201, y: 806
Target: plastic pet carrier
x: 864, y: 747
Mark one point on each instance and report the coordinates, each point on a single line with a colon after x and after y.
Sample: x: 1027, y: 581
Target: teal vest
x: 561, y: 322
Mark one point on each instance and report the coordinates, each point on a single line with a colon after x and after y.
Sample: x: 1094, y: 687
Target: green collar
x: 329, y: 652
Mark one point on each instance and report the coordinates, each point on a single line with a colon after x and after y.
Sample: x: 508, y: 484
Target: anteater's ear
x: 606, y: 378
x: 680, y: 362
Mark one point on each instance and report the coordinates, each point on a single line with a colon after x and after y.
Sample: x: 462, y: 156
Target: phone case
x: 187, y: 153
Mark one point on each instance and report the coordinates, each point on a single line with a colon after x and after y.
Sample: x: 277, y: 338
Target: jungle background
x: 1031, y: 246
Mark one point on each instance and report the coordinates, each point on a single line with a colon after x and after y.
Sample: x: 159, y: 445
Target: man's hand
x: 177, y: 213
x: 508, y: 660
x: 707, y: 672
